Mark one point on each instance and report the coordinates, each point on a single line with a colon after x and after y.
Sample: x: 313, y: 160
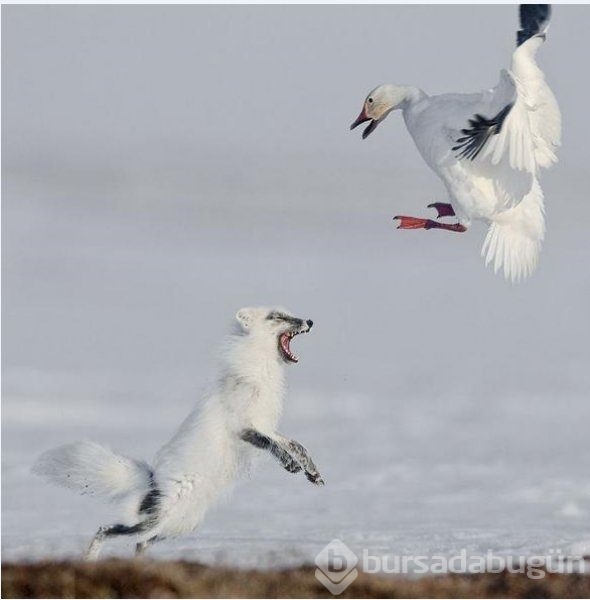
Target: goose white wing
x: 531, y: 131
x: 517, y: 126
x: 537, y: 103
x: 514, y: 131
x: 495, y: 143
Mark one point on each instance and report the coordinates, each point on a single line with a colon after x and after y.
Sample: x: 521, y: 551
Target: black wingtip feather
x: 479, y: 133
x: 533, y: 21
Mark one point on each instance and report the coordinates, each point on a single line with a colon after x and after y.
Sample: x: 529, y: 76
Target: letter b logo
x: 336, y: 564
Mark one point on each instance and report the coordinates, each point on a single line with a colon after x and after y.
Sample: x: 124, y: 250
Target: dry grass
x: 152, y: 579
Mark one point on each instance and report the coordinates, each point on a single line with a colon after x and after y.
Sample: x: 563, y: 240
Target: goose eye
x: 370, y: 100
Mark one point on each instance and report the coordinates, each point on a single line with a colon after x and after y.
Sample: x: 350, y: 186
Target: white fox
x: 213, y: 444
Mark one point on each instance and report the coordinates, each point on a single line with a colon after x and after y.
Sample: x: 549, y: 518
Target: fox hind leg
x: 141, y: 547
x: 96, y: 544
x: 114, y: 530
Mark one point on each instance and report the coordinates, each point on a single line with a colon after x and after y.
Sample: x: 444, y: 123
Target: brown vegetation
x: 153, y: 579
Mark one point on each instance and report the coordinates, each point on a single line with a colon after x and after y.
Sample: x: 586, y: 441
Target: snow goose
x: 487, y: 148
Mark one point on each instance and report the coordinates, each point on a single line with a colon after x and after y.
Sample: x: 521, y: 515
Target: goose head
x: 378, y: 104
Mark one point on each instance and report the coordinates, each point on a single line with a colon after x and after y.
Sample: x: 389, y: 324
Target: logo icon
x: 336, y: 566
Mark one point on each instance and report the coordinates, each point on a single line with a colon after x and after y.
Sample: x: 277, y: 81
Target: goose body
x: 488, y: 149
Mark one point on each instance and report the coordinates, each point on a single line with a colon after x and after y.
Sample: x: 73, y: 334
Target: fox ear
x: 244, y: 317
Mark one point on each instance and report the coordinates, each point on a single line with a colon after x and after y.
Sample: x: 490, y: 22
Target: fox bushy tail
x: 90, y: 468
x: 514, y: 239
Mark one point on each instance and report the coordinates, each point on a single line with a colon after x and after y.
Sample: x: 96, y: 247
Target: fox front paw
x: 292, y: 466
x: 315, y: 478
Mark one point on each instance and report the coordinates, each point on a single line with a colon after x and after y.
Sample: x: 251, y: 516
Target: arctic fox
x: 214, y: 443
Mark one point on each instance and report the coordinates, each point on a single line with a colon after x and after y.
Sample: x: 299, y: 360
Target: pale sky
x: 165, y: 165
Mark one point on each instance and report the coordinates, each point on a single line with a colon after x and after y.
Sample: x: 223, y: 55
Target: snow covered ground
x: 445, y: 408
x: 155, y: 182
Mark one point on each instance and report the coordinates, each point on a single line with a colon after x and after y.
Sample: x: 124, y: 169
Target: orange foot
x: 416, y: 223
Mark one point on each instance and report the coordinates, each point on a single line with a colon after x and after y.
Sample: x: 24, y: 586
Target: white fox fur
x: 89, y: 468
x: 214, y: 443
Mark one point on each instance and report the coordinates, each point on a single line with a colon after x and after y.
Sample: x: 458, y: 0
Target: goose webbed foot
x: 416, y: 223
x: 443, y: 209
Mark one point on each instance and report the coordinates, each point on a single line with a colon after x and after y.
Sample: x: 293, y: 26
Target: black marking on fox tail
x: 120, y: 529
x: 151, y: 501
x: 534, y: 19
x: 124, y: 529
x: 480, y: 131
x: 149, y: 507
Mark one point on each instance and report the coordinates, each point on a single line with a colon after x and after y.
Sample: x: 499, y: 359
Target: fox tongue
x: 285, y: 342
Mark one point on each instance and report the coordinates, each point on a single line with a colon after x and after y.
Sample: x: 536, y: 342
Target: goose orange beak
x: 363, y: 118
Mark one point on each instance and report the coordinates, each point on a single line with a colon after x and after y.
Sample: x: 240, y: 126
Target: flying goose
x: 487, y: 148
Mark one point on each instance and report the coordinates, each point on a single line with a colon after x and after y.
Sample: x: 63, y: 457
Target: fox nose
x: 309, y: 323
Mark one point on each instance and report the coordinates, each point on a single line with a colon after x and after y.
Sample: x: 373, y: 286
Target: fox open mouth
x: 285, y: 346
